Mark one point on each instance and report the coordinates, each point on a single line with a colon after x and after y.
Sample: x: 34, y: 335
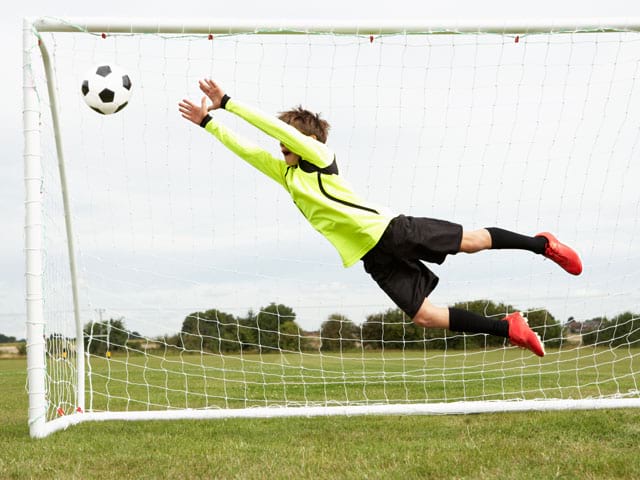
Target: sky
x: 325, y: 262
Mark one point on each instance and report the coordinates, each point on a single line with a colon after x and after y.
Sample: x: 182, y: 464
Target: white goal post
x: 167, y: 280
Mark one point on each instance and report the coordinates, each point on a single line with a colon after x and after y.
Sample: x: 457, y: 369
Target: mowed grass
x: 253, y: 380
x: 574, y: 444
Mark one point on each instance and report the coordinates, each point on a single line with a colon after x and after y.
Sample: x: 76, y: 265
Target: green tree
x: 338, y: 333
x: 111, y: 335
x: 621, y: 330
x: 273, y: 328
x: 248, y: 331
x: 6, y: 339
x: 290, y: 337
x: 268, y: 322
x: 211, y: 331
x: 391, y: 329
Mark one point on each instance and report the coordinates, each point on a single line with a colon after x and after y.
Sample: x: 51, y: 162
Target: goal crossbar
x: 370, y: 27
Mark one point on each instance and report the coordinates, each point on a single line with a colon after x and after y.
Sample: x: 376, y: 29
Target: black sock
x: 469, y: 322
x: 501, y: 239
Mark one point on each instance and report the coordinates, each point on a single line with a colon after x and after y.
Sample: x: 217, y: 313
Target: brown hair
x: 306, y: 122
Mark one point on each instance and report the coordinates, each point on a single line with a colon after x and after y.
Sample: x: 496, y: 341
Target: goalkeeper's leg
x: 513, y: 326
x: 543, y: 244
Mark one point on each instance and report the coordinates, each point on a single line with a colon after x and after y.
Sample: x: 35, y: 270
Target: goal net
x: 166, y: 278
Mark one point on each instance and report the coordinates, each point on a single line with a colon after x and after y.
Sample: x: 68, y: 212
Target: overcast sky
x: 11, y: 167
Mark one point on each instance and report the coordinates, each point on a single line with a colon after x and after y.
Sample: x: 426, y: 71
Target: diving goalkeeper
x: 392, y: 248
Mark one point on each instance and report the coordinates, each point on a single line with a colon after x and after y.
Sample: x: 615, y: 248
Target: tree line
x: 8, y: 339
x: 275, y: 328
x: 621, y: 330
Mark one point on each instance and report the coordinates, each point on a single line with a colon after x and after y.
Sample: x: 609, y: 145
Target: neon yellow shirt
x: 352, y: 225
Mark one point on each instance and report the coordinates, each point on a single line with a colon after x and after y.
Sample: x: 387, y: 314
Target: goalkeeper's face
x: 289, y: 157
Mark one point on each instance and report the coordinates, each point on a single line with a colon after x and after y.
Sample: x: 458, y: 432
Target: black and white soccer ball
x: 106, y: 88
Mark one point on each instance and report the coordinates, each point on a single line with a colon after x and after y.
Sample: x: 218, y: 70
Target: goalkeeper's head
x: 309, y: 123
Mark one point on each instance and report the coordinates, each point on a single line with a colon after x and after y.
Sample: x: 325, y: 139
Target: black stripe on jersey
x: 343, y: 202
x: 309, y: 167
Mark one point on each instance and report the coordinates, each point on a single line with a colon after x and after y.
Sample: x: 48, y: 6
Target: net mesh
x: 201, y: 285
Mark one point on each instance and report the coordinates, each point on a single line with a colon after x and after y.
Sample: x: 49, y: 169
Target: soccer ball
x: 106, y: 88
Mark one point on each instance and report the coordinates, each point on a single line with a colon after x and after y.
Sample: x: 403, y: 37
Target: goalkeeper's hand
x: 212, y: 90
x: 193, y: 112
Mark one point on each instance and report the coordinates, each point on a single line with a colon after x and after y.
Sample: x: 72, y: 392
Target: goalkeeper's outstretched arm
x: 248, y: 151
x: 291, y: 138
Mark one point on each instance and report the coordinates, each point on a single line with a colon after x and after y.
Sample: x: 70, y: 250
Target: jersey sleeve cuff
x: 205, y: 120
x: 223, y: 102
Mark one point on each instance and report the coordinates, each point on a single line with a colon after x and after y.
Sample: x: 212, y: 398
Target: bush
x: 621, y: 330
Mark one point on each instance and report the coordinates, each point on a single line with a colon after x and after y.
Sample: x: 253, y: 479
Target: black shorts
x: 395, y: 263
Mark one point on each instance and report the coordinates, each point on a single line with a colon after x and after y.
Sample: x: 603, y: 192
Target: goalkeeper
x: 392, y: 248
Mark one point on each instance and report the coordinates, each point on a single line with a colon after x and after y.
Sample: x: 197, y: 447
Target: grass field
x: 127, y: 382
x: 582, y: 444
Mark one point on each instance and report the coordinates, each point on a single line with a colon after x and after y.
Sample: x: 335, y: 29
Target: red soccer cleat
x: 521, y: 335
x: 562, y: 254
